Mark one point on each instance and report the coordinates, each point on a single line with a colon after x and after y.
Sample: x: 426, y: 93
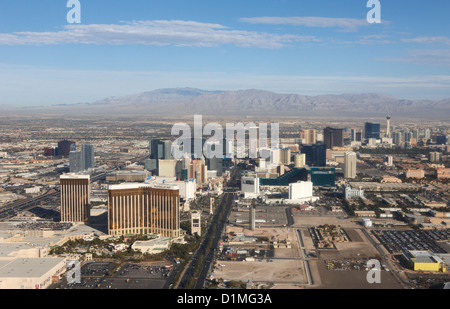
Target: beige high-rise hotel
x: 143, y: 209
x: 75, y: 198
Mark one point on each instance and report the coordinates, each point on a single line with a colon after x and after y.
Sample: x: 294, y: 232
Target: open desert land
x: 285, y: 269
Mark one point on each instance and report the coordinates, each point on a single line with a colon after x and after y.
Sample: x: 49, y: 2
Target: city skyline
x: 282, y: 46
x: 224, y: 146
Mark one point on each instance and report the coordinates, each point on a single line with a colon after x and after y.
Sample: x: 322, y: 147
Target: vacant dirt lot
x: 278, y: 271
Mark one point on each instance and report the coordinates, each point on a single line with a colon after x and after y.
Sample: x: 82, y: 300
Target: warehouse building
x: 33, y: 273
x: 424, y: 261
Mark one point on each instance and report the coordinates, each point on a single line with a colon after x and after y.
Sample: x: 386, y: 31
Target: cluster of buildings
x: 132, y: 208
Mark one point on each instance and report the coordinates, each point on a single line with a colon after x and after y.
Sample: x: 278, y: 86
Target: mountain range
x: 252, y: 102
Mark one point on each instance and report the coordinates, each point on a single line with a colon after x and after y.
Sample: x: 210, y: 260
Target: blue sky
x: 309, y: 47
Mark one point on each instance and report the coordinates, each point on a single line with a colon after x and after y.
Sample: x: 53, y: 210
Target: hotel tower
x: 143, y: 209
x: 75, y: 198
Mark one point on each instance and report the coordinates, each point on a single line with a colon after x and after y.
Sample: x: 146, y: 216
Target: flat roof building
x: 33, y: 273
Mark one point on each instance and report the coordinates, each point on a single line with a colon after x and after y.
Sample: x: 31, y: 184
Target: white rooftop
x: 143, y: 185
x: 27, y: 268
x: 74, y: 176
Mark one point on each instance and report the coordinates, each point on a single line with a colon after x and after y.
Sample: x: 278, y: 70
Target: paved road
x: 205, y: 255
x: 11, y: 210
x: 305, y: 258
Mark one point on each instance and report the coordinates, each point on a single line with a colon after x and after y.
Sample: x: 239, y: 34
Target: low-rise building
x: 33, y: 273
x: 424, y: 261
x: 442, y: 173
x: 417, y: 174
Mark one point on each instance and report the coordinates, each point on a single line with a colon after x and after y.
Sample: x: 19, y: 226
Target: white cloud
x: 347, y: 24
x: 429, y: 40
x: 438, y: 58
x: 155, y: 32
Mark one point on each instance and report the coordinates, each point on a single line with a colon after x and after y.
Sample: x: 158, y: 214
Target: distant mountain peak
x: 256, y: 102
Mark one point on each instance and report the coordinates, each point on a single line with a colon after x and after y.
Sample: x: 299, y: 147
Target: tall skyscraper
x: 350, y: 165
x: 160, y: 149
x: 64, y: 148
x: 316, y: 155
x: 75, y: 198
x: 416, y: 134
x: 441, y: 139
x: 371, y: 130
x: 215, y: 164
x: 76, y: 161
x: 398, y: 138
x: 285, y: 156
x: 88, y: 156
x: 143, y: 209
x: 82, y: 160
x: 333, y: 137
x: 308, y: 136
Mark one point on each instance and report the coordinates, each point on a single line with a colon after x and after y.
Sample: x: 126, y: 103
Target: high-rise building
x: 76, y: 161
x: 160, y: 149
x: 316, y: 155
x: 398, y: 138
x: 151, y: 164
x: 416, y: 134
x: 65, y: 147
x: 441, y: 139
x: 285, y: 156
x: 355, y: 135
x: 144, y: 209
x: 300, y: 160
x: 371, y: 130
x: 89, y: 156
x: 308, y: 136
x: 75, y: 198
x: 435, y: 157
x: 350, y: 165
x: 333, y: 137
x: 215, y: 164
x: 82, y: 160
x: 389, y: 160
x: 198, y: 170
x: 169, y: 168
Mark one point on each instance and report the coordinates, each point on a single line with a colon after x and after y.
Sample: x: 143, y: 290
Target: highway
x: 205, y: 254
x: 10, y: 210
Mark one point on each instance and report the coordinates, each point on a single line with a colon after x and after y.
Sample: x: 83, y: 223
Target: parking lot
x: 266, y: 216
x: 397, y: 241
x: 96, y: 275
